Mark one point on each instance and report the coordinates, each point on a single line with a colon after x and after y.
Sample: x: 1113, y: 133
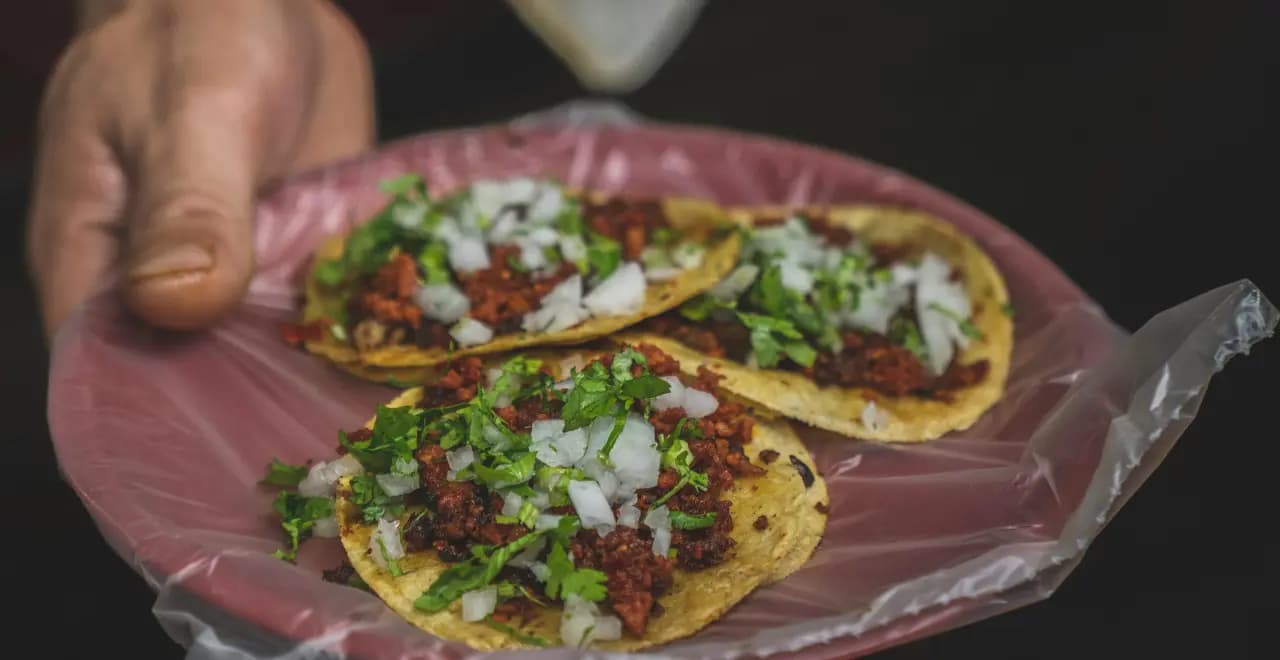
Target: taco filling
x: 810, y: 297
x: 496, y: 258
x: 526, y: 499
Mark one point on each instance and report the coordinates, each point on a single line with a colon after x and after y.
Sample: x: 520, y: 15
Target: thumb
x: 188, y: 252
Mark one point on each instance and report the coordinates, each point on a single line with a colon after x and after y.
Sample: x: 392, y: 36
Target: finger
x: 76, y: 207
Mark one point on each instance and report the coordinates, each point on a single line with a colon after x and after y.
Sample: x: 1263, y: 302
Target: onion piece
x: 547, y: 521
x: 592, y: 507
x: 555, y: 447
x: 873, y: 417
x: 572, y: 248
x: 479, y: 603
x: 388, y: 532
x: 661, y: 273
x: 674, y: 398
x: 325, y: 528
x: 795, y: 277
x: 620, y: 293
x: 699, y: 404
x: 317, y: 482
x: 511, y: 503
x: 441, y: 302
x: 531, y: 255
x: 396, y: 485
x: 468, y: 254
x: 735, y: 284
x: 661, y: 542
x: 458, y: 459
x: 529, y: 556
x: 688, y: 255
x: 470, y: 332
x: 540, y: 571
x: 628, y: 514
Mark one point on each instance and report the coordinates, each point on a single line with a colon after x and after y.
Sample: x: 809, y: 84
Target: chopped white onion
x: 555, y: 447
x: 441, y: 302
x: 468, y: 254
x: 446, y: 230
x: 592, y: 507
x: 735, y: 284
x: 458, y: 459
x: 661, y: 542
x: 635, y: 457
x: 546, y: 521
x: 504, y: 226
x: 543, y: 236
x: 511, y: 503
x: 674, y: 398
x: 572, y: 248
x: 873, y: 417
x: 397, y: 485
x: 688, y: 255
x: 795, y: 277
x: 540, y: 571
x: 578, y: 621
x: 540, y: 500
x: 470, y: 332
x: 699, y: 404
x: 531, y: 255
x: 388, y: 532
x: 325, y: 528
x: 564, y: 385
x: 479, y: 603
x: 548, y: 202
x: 620, y: 293
x: 608, y: 628
x: 628, y: 514
x: 554, y: 317
x: 317, y: 483
x: 878, y: 302
x: 936, y: 292
x: 658, y: 517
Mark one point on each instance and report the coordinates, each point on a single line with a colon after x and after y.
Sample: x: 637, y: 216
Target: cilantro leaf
x: 603, y: 254
x: 471, y: 574
x: 771, y: 338
x: 699, y: 308
x: 682, y: 520
x: 373, y: 502
x: 283, y: 474
x: 331, y: 272
x: 506, y: 471
x: 591, y: 397
x: 647, y: 386
x: 623, y: 361
x: 523, y: 638
x: 905, y: 333
x: 563, y: 579
x: 395, y: 434
x: 392, y: 566
x: 298, y: 515
x: 407, y: 185
x: 968, y: 329
x: 677, y: 456
x: 434, y: 260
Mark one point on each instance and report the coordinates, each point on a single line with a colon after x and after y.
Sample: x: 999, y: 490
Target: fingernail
x: 171, y: 260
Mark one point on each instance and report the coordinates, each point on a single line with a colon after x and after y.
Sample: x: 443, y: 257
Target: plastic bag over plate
x: 165, y: 438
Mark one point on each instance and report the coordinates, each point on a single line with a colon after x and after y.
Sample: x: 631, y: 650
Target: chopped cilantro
x: 772, y: 338
x: 905, y: 333
x: 682, y: 520
x: 506, y: 471
x: 406, y: 185
x: 434, y: 259
x: 966, y: 328
x: 471, y: 574
x: 603, y: 254
x: 395, y: 434
x: 521, y: 637
x: 283, y: 474
x: 373, y: 502
x: 298, y: 515
x: 563, y: 579
x: 677, y: 456
x: 699, y: 308
x: 392, y: 566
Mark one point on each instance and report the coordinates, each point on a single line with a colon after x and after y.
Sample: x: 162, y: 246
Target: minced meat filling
x: 464, y: 514
x: 384, y: 313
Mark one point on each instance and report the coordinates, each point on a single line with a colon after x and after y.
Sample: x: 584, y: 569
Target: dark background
x: 1132, y: 143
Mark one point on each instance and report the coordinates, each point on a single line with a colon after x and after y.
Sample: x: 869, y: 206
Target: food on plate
x: 577, y: 497
x: 501, y: 265
x: 876, y: 323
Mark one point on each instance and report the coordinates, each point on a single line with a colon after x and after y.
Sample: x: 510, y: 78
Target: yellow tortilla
x: 911, y: 419
x: 698, y: 220
x: 694, y: 600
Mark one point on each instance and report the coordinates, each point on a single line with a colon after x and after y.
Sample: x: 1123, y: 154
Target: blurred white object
x: 610, y: 45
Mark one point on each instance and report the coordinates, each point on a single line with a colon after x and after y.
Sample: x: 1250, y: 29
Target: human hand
x: 160, y: 124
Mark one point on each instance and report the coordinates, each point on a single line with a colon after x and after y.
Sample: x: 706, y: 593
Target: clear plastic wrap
x: 164, y: 438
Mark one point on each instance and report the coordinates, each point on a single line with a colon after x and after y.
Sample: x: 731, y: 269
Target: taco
x: 578, y: 497
x: 876, y: 323
x: 501, y: 265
